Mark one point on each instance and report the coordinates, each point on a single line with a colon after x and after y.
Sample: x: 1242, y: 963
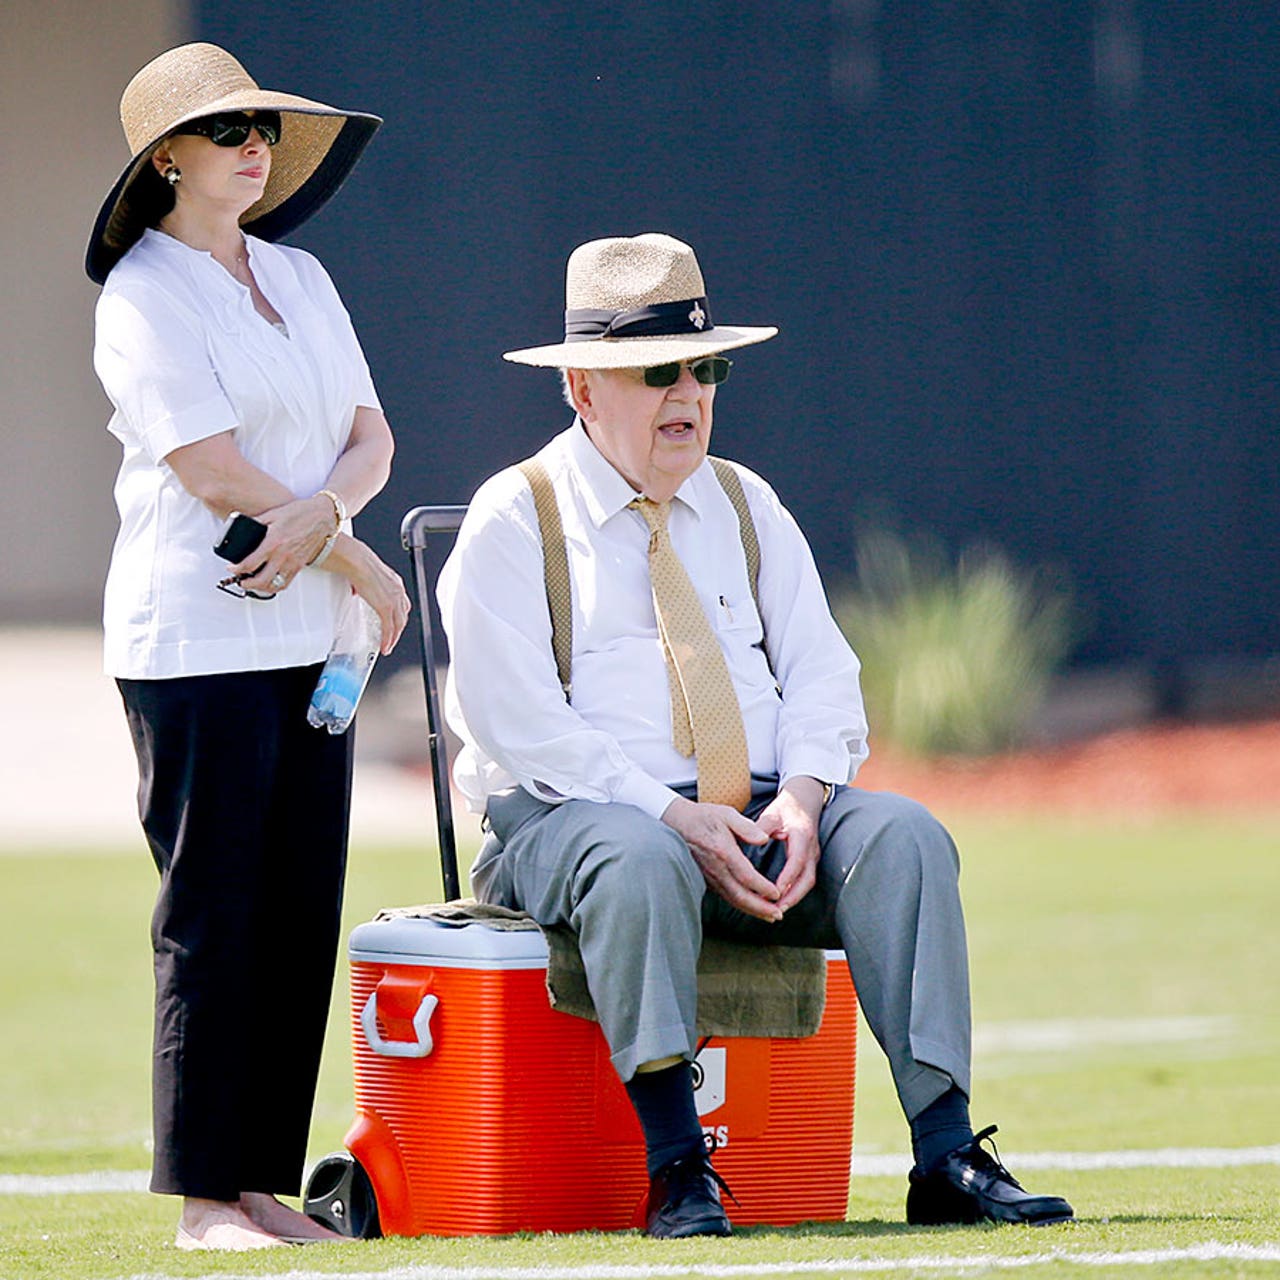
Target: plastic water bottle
x: 348, y: 667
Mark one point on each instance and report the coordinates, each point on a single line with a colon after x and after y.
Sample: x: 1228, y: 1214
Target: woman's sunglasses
x: 232, y: 128
x: 710, y: 371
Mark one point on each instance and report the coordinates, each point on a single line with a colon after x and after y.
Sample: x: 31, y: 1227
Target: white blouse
x: 183, y: 355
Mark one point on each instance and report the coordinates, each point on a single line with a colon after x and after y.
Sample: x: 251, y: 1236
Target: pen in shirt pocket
x: 728, y: 613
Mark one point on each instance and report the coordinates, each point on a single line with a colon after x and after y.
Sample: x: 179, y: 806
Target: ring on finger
x: 279, y: 581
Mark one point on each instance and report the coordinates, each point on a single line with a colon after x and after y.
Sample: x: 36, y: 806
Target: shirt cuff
x: 645, y: 793
x: 820, y: 765
x: 367, y: 396
x: 196, y: 422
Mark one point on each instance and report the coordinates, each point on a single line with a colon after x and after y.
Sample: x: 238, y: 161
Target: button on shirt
x: 183, y: 355
x: 612, y: 741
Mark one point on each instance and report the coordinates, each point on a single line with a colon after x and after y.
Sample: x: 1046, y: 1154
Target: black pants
x: 245, y: 808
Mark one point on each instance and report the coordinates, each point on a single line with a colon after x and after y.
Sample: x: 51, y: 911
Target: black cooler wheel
x: 340, y: 1195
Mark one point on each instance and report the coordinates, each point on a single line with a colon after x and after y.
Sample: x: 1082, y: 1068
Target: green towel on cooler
x: 743, y: 990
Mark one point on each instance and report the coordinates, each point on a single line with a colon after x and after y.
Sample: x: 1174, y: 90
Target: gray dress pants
x: 887, y: 894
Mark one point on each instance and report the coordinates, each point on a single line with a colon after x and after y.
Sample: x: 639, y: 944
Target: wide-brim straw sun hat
x: 631, y: 302
x: 318, y: 145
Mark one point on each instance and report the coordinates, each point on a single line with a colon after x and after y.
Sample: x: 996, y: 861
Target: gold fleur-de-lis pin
x: 697, y: 317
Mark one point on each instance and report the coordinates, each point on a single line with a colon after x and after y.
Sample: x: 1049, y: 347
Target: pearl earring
x: 173, y: 175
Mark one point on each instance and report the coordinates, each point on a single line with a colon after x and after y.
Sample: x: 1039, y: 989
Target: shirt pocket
x: 734, y: 618
x: 741, y: 635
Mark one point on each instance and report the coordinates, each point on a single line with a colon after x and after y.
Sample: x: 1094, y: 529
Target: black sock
x: 664, y: 1102
x: 940, y: 1128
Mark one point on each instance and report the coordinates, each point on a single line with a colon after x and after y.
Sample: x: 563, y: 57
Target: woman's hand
x: 379, y: 584
x: 296, y: 532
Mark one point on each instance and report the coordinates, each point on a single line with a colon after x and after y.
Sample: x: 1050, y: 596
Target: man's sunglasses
x: 710, y: 371
x: 232, y: 128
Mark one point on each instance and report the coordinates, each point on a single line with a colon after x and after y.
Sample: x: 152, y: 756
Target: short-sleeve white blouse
x: 183, y: 355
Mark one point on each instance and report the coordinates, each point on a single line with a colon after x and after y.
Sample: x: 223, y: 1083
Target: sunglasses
x: 710, y: 371
x: 233, y: 588
x: 232, y: 128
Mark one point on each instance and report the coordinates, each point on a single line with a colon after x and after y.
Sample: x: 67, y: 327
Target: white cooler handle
x: 418, y: 1047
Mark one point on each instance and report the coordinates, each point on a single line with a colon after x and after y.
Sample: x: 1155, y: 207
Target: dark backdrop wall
x: 1024, y: 259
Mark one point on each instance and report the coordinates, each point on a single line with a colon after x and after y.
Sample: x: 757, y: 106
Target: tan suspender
x: 555, y: 560
x: 555, y: 570
x: 732, y: 486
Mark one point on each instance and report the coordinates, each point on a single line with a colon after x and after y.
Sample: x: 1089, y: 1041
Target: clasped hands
x: 716, y: 832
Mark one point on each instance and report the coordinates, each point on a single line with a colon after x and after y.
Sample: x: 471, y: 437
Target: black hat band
x: 660, y: 320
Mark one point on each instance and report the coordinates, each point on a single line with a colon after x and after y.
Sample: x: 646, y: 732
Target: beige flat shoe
x: 226, y: 1237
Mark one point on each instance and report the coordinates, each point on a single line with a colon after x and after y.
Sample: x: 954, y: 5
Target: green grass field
x: 1126, y: 999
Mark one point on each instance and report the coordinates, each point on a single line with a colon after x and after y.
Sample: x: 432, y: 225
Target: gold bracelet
x: 828, y: 790
x: 339, y: 507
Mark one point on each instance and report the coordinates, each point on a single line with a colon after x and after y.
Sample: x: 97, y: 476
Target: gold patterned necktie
x: 706, y: 720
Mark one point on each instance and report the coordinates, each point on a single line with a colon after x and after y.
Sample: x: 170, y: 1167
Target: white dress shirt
x: 612, y: 741
x: 183, y: 355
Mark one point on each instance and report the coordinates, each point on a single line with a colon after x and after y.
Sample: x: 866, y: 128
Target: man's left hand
x: 715, y: 834
x: 792, y: 816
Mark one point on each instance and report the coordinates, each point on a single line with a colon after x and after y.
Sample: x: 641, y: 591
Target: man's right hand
x: 713, y: 833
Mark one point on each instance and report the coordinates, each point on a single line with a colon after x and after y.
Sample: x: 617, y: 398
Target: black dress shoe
x: 684, y: 1199
x: 970, y: 1185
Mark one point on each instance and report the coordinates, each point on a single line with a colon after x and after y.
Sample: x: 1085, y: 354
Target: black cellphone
x: 239, y: 536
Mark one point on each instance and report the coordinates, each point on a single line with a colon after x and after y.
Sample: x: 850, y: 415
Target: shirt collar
x: 606, y: 492
x: 202, y: 261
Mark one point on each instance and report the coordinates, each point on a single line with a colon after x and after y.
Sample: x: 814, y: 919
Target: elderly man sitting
x: 687, y: 775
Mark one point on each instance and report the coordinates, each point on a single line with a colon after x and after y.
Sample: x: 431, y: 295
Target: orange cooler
x: 481, y: 1110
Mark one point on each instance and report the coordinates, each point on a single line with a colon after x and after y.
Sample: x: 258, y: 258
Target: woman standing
x: 239, y: 386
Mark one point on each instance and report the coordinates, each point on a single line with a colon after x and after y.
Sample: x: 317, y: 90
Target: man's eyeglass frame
x: 710, y: 371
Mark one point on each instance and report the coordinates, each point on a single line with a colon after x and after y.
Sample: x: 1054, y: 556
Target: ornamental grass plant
x: 956, y: 656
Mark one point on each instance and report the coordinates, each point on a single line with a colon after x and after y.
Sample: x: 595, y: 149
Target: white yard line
x: 1210, y: 1251
x: 879, y: 1166
x: 72, y: 1184
x: 864, y: 1166
x: 1058, y: 1035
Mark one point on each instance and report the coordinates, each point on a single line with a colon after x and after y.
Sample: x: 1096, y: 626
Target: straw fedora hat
x: 633, y: 301
x: 317, y: 148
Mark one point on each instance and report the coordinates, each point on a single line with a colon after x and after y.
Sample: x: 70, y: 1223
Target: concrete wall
x: 63, y: 65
